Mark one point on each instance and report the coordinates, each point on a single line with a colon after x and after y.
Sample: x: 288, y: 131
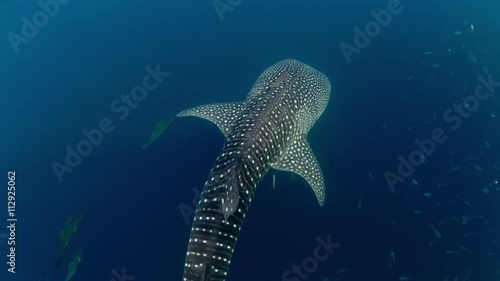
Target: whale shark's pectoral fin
x: 221, y: 114
x: 299, y: 158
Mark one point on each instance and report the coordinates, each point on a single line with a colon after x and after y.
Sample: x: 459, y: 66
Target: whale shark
x: 266, y: 131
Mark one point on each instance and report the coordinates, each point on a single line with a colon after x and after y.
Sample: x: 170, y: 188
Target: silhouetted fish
x: 159, y: 129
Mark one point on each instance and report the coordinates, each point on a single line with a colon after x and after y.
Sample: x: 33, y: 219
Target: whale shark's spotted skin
x: 266, y: 131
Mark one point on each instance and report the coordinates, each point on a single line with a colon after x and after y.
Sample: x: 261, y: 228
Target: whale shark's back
x: 266, y: 131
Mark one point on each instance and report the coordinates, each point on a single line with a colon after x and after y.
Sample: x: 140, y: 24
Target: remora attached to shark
x: 268, y: 130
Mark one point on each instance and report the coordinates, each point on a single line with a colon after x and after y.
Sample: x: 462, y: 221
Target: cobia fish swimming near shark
x: 268, y: 130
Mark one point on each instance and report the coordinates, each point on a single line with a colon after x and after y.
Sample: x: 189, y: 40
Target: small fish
x: 360, y: 203
x: 428, y: 53
x: 496, y: 166
x: 448, y: 252
x: 342, y: 270
x: 463, y: 247
x: 417, y: 212
x: 472, y: 28
x: 458, y: 32
x: 393, y: 257
x: 75, y: 261
x: 478, y: 168
x: 427, y: 194
x: 70, y: 228
x: 465, y: 219
x: 485, y: 70
x: 414, y: 181
x: 158, y: 131
x: 274, y: 181
x: 403, y: 278
x: 472, y: 57
x: 437, y: 234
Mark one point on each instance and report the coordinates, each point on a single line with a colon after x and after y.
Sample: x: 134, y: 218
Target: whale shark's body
x: 268, y: 130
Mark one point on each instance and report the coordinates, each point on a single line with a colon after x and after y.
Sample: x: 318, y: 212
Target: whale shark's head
x: 303, y: 86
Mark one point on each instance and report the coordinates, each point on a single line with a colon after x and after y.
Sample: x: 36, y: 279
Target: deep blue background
x: 65, y: 79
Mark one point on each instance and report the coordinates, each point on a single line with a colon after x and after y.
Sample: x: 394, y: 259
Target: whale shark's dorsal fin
x: 205, y: 272
x: 221, y: 114
x: 299, y: 158
x: 231, y: 199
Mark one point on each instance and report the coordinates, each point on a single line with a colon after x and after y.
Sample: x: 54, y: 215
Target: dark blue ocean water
x: 64, y: 76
